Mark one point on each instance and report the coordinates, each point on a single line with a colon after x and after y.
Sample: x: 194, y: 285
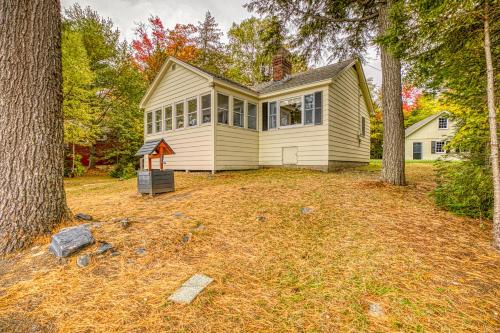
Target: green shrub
x: 123, y: 171
x: 79, y: 169
x: 464, y: 188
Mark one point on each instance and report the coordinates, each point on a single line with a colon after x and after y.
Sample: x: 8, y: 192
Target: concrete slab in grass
x: 190, y: 289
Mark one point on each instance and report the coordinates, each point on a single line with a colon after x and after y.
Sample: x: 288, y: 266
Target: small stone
x: 178, y: 214
x: 104, y: 247
x: 260, y: 218
x: 140, y: 250
x: 185, y: 238
x: 38, y: 254
x: 82, y: 216
x: 375, y: 310
x: 125, y: 223
x: 306, y: 210
x: 199, y: 227
x: 83, y: 260
x: 190, y: 289
x: 115, y: 253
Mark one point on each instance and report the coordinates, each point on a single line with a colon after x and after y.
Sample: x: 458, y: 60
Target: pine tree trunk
x: 492, y: 116
x: 393, y: 156
x: 73, y: 161
x: 31, y: 121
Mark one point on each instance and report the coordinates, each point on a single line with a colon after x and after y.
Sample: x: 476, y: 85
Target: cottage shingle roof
x: 299, y: 79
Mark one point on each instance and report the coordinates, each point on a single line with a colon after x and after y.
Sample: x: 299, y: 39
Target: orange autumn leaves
x: 154, y: 43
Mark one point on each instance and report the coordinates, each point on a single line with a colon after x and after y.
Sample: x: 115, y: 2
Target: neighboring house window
x: 437, y: 147
x: 273, y: 114
x: 222, y: 109
x: 443, y: 123
x: 149, y: 122
x: 363, y: 126
x: 158, y: 117
x: 291, y: 111
x: 179, y: 115
x: 192, y: 111
x: 206, y: 109
x: 238, y: 112
x: 252, y: 116
x: 168, y: 118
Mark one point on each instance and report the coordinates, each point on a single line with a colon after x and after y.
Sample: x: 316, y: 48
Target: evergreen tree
x: 211, y: 55
x: 345, y: 28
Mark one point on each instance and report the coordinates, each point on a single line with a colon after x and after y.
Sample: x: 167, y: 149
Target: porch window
x: 222, y: 109
x: 192, y: 105
x: 273, y: 115
x: 206, y: 108
x: 313, y: 108
x: 149, y: 122
x: 168, y: 118
x: 291, y: 111
x: 238, y: 112
x: 179, y: 115
x: 158, y: 117
x: 252, y: 116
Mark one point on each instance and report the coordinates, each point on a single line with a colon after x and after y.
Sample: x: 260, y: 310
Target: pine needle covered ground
x: 363, y: 242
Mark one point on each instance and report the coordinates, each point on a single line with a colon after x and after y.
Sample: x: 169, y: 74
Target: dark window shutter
x: 318, y: 107
x: 264, y: 116
x: 433, y: 147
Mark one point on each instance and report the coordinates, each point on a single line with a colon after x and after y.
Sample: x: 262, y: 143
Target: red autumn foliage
x: 410, y: 97
x: 154, y: 43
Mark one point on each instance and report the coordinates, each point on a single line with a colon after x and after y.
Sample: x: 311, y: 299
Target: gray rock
x: 82, y: 216
x: 306, y: 210
x: 115, y: 253
x: 260, y: 218
x: 375, y: 310
x: 199, y: 227
x: 83, y: 260
x: 178, y: 214
x: 70, y: 240
x: 190, y: 289
x: 140, y: 250
x: 125, y: 223
x: 185, y: 238
x: 104, y: 247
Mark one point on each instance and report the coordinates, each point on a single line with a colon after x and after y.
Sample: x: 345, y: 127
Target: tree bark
x: 492, y: 117
x: 32, y: 198
x: 393, y: 155
x: 73, y: 161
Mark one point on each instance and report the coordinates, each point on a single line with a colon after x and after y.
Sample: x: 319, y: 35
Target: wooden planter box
x: 155, y: 181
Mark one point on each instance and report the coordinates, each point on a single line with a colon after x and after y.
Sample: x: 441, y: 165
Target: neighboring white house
x: 427, y: 139
x: 316, y: 119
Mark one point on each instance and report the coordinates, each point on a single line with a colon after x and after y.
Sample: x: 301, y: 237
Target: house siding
x: 311, y: 140
x: 346, y: 107
x: 425, y: 135
x: 193, y: 146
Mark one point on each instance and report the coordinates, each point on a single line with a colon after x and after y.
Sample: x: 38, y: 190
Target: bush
x: 464, y: 188
x: 79, y: 168
x: 123, y: 171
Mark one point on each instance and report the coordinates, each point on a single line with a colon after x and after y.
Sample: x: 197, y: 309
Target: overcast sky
x: 126, y: 13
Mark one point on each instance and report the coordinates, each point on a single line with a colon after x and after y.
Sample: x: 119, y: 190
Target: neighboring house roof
x: 149, y: 147
x: 299, y: 79
x: 418, y: 125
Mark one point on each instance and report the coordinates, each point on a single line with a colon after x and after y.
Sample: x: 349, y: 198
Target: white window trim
x: 164, y: 118
x: 442, y: 147
x: 303, y: 121
x: 447, y: 123
x: 183, y: 102
x: 152, y: 123
x: 187, y: 111
x: 228, y: 108
x: 201, y: 109
x: 269, y: 115
x: 301, y: 115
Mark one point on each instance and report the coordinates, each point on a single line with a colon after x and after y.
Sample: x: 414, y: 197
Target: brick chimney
x: 282, y: 67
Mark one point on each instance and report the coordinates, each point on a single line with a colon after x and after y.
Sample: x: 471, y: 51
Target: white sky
x: 126, y: 13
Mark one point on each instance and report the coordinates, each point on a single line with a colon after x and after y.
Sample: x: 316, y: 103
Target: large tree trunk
x: 32, y: 198
x: 393, y: 156
x: 492, y: 116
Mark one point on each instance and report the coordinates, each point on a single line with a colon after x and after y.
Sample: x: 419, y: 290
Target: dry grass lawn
x: 364, y: 242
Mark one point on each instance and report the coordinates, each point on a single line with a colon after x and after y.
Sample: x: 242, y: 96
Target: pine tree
x: 208, y: 42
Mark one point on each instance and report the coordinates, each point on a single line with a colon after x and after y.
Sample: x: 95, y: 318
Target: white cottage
x: 316, y: 119
x: 427, y: 139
